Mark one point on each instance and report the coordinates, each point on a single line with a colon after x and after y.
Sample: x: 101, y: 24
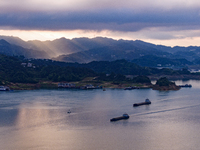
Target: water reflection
x: 8, y: 117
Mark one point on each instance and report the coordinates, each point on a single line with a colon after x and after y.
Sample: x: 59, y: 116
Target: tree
x: 142, y: 79
x: 164, y: 82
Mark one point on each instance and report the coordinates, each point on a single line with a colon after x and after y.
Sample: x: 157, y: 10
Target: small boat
x: 4, y: 88
x: 69, y: 112
x: 147, y: 102
x: 124, y: 116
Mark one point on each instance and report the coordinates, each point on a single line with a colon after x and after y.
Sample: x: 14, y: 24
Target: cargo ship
x: 147, y: 102
x: 123, y: 117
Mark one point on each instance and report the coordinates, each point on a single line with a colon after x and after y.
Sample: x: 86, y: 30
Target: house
x: 66, y: 85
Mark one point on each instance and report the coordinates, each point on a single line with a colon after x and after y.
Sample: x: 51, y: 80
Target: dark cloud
x: 108, y: 19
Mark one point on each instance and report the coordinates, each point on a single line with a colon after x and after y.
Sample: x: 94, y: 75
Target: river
x: 38, y: 119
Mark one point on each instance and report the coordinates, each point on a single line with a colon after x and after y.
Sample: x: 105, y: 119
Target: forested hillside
x: 20, y: 70
x: 14, y: 70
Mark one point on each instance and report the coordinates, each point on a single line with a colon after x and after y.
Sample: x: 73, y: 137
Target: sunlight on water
x: 38, y: 120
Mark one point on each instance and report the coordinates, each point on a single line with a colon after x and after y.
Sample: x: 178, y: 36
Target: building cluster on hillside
x: 30, y: 65
x: 66, y: 85
x: 73, y: 86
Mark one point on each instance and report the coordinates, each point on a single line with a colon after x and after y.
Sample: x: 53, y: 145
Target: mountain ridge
x: 15, y: 50
x: 84, y: 50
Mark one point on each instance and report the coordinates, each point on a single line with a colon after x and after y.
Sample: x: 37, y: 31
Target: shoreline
x: 54, y: 85
x: 103, y: 84
x: 175, y: 77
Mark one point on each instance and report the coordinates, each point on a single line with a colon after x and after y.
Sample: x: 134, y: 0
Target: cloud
x: 153, y: 19
x: 69, y: 5
x: 109, y: 19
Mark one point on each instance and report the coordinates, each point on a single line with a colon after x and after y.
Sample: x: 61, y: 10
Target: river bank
x: 29, y: 86
x: 54, y: 85
x: 103, y: 84
x: 176, y: 77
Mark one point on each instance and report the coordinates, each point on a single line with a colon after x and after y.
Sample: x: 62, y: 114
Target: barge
x: 186, y: 85
x: 147, y: 102
x: 131, y: 88
x: 123, y: 117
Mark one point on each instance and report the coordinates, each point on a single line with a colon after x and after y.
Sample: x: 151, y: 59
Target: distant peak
x: 62, y: 38
x: 140, y: 41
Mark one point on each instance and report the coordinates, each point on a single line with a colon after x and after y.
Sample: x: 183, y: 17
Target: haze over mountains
x: 84, y: 50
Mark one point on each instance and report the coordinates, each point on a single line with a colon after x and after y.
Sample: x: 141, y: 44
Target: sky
x: 165, y: 22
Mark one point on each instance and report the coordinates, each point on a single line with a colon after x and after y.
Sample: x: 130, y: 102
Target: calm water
x: 38, y: 119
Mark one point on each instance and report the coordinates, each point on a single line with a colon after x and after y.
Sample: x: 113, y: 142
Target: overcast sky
x: 167, y: 22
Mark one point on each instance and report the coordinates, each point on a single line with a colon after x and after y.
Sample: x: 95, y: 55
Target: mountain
x: 84, y: 50
x: 61, y: 46
x: 129, y: 50
x: 65, y: 46
x: 121, y: 50
x: 10, y: 49
x: 15, y: 41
